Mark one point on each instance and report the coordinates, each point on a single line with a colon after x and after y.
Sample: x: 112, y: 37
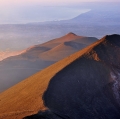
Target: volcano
x: 16, y: 68
x: 85, y: 85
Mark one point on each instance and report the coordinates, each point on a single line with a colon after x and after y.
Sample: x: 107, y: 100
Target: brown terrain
x: 16, y: 68
x: 84, y: 85
x: 4, y: 55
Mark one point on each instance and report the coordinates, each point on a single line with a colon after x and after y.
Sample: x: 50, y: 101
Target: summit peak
x: 71, y: 33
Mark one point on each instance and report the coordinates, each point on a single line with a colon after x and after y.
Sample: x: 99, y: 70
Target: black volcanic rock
x: 89, y: 87
x: 113, y: 39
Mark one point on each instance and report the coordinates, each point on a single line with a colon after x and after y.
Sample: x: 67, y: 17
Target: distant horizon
x: 26, y: 15
x: 19, y: 13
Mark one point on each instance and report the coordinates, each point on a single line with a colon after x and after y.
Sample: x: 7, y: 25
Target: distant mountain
x: 5, y: 54
x: 99, y: 17
x: 84, y: 85
x: 16, y: 68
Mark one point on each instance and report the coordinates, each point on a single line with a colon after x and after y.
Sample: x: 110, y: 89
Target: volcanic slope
x: 15, y: 69
x: 83, y: 85
x: 89, y: 87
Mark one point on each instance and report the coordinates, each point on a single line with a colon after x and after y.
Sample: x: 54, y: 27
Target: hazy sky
x: 12, y: 2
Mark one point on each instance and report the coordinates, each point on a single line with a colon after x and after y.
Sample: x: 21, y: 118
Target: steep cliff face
x: 87, y: 88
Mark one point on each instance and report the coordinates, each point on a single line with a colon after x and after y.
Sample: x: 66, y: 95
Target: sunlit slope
x: 65, y: 49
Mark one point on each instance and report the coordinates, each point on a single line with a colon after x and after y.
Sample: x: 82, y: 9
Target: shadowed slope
x: 87, y: 88
x: 15, y: 69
